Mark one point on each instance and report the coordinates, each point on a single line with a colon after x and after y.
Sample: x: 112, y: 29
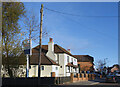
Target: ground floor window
x: 42, y: 67
x: 75, y: 69
x: 56, y: 68
x: 68, y: 69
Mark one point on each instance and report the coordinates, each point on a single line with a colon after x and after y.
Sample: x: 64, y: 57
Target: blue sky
x: 94, y: 32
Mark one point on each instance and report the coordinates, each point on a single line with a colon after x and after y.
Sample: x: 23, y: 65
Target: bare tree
x: 101, y: 63
x: 31, y: 26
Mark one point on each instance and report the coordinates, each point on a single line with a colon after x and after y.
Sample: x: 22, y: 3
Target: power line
x: 92, y: 29
x: 76, y: 14
x: 86, y: 27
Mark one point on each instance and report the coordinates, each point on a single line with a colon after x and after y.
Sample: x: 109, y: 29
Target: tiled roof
x: 20, y: 60
x: 57, y: 49
x: 84, y: 58
x: 44, y: 59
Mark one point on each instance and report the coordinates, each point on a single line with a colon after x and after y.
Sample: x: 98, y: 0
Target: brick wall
x: 86, y: 66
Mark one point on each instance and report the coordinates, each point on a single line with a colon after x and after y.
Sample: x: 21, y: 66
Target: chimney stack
x: 51, y: 39
x: 68, y: 50
x: 51, y: 45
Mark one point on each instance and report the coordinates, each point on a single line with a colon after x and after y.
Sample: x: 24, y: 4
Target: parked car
x: 111, y: 78
x: 97, y: 74
x: 117, y: 74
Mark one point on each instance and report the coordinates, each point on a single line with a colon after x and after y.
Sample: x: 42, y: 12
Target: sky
x: 86, y: 28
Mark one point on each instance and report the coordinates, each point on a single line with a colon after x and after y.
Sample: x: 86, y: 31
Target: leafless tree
x: 101, y: 63
x: 31, y: 26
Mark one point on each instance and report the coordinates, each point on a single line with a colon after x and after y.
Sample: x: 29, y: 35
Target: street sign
x: 101, y: 67
x: 27, y: 46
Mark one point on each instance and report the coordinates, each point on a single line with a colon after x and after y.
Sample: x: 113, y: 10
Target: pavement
x: 96, y: 82
x: 82, y: 83
x: 90, y: 82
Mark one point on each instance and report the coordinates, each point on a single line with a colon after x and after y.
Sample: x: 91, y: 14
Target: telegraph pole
x: 40, y: 42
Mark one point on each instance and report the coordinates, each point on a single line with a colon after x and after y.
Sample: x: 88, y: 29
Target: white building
x: 54, y: 59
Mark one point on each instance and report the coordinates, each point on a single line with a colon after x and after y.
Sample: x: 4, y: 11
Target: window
x: 75, y: 69
x: 21, y: 66
x: 75, y: 60
x: 79, y: 67
x: 68, y: 69
x: 42, y: 67
x: 71, y: 59
x: 58, y: 58
x: 67, y: 58
x: 29, y: 67
x: 56, y: 68
x: 34, y: 66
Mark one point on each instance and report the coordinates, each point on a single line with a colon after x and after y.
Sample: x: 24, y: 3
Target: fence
x: 31, y: 82
x: 34, y: 81
x: 82, y: 77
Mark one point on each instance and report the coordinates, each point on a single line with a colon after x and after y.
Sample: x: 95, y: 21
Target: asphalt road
x: 93, y: 83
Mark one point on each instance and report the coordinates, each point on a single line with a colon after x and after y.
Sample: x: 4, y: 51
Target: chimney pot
x: 51, y: 39
x: 68, y: 49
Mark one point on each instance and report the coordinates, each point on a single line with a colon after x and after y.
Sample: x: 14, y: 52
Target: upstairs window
x: 71, y: 59
x: 68, y: 59
x: 58, y: 58
x: 75, y: 60
x: 68, y: 69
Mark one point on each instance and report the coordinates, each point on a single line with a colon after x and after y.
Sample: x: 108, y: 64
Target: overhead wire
x: 80, y: 23
x: 74, y: 14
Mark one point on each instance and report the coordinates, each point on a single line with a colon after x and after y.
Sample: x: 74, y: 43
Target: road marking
x: 94, y: 83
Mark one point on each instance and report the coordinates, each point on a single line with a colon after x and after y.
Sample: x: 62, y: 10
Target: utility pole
x: 29, y: 55
x: 40, y: 42
x: 27, y: 69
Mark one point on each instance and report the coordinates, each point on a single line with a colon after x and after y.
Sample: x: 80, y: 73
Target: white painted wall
x: 71, y: 59
x: 55, y: 69
x: 47, y: 71
x: 62, y: 64
x: 50, y: 52
x: 33, y: 72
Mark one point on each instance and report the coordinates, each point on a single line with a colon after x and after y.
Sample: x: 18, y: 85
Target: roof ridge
x: 59, y: 47
x: 65, y: 50
x: 62, y: 48
x: 38, y: 46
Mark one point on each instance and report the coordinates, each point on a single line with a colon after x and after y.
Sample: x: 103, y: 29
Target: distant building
x: 85, y: 62
x: 115, y: 68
